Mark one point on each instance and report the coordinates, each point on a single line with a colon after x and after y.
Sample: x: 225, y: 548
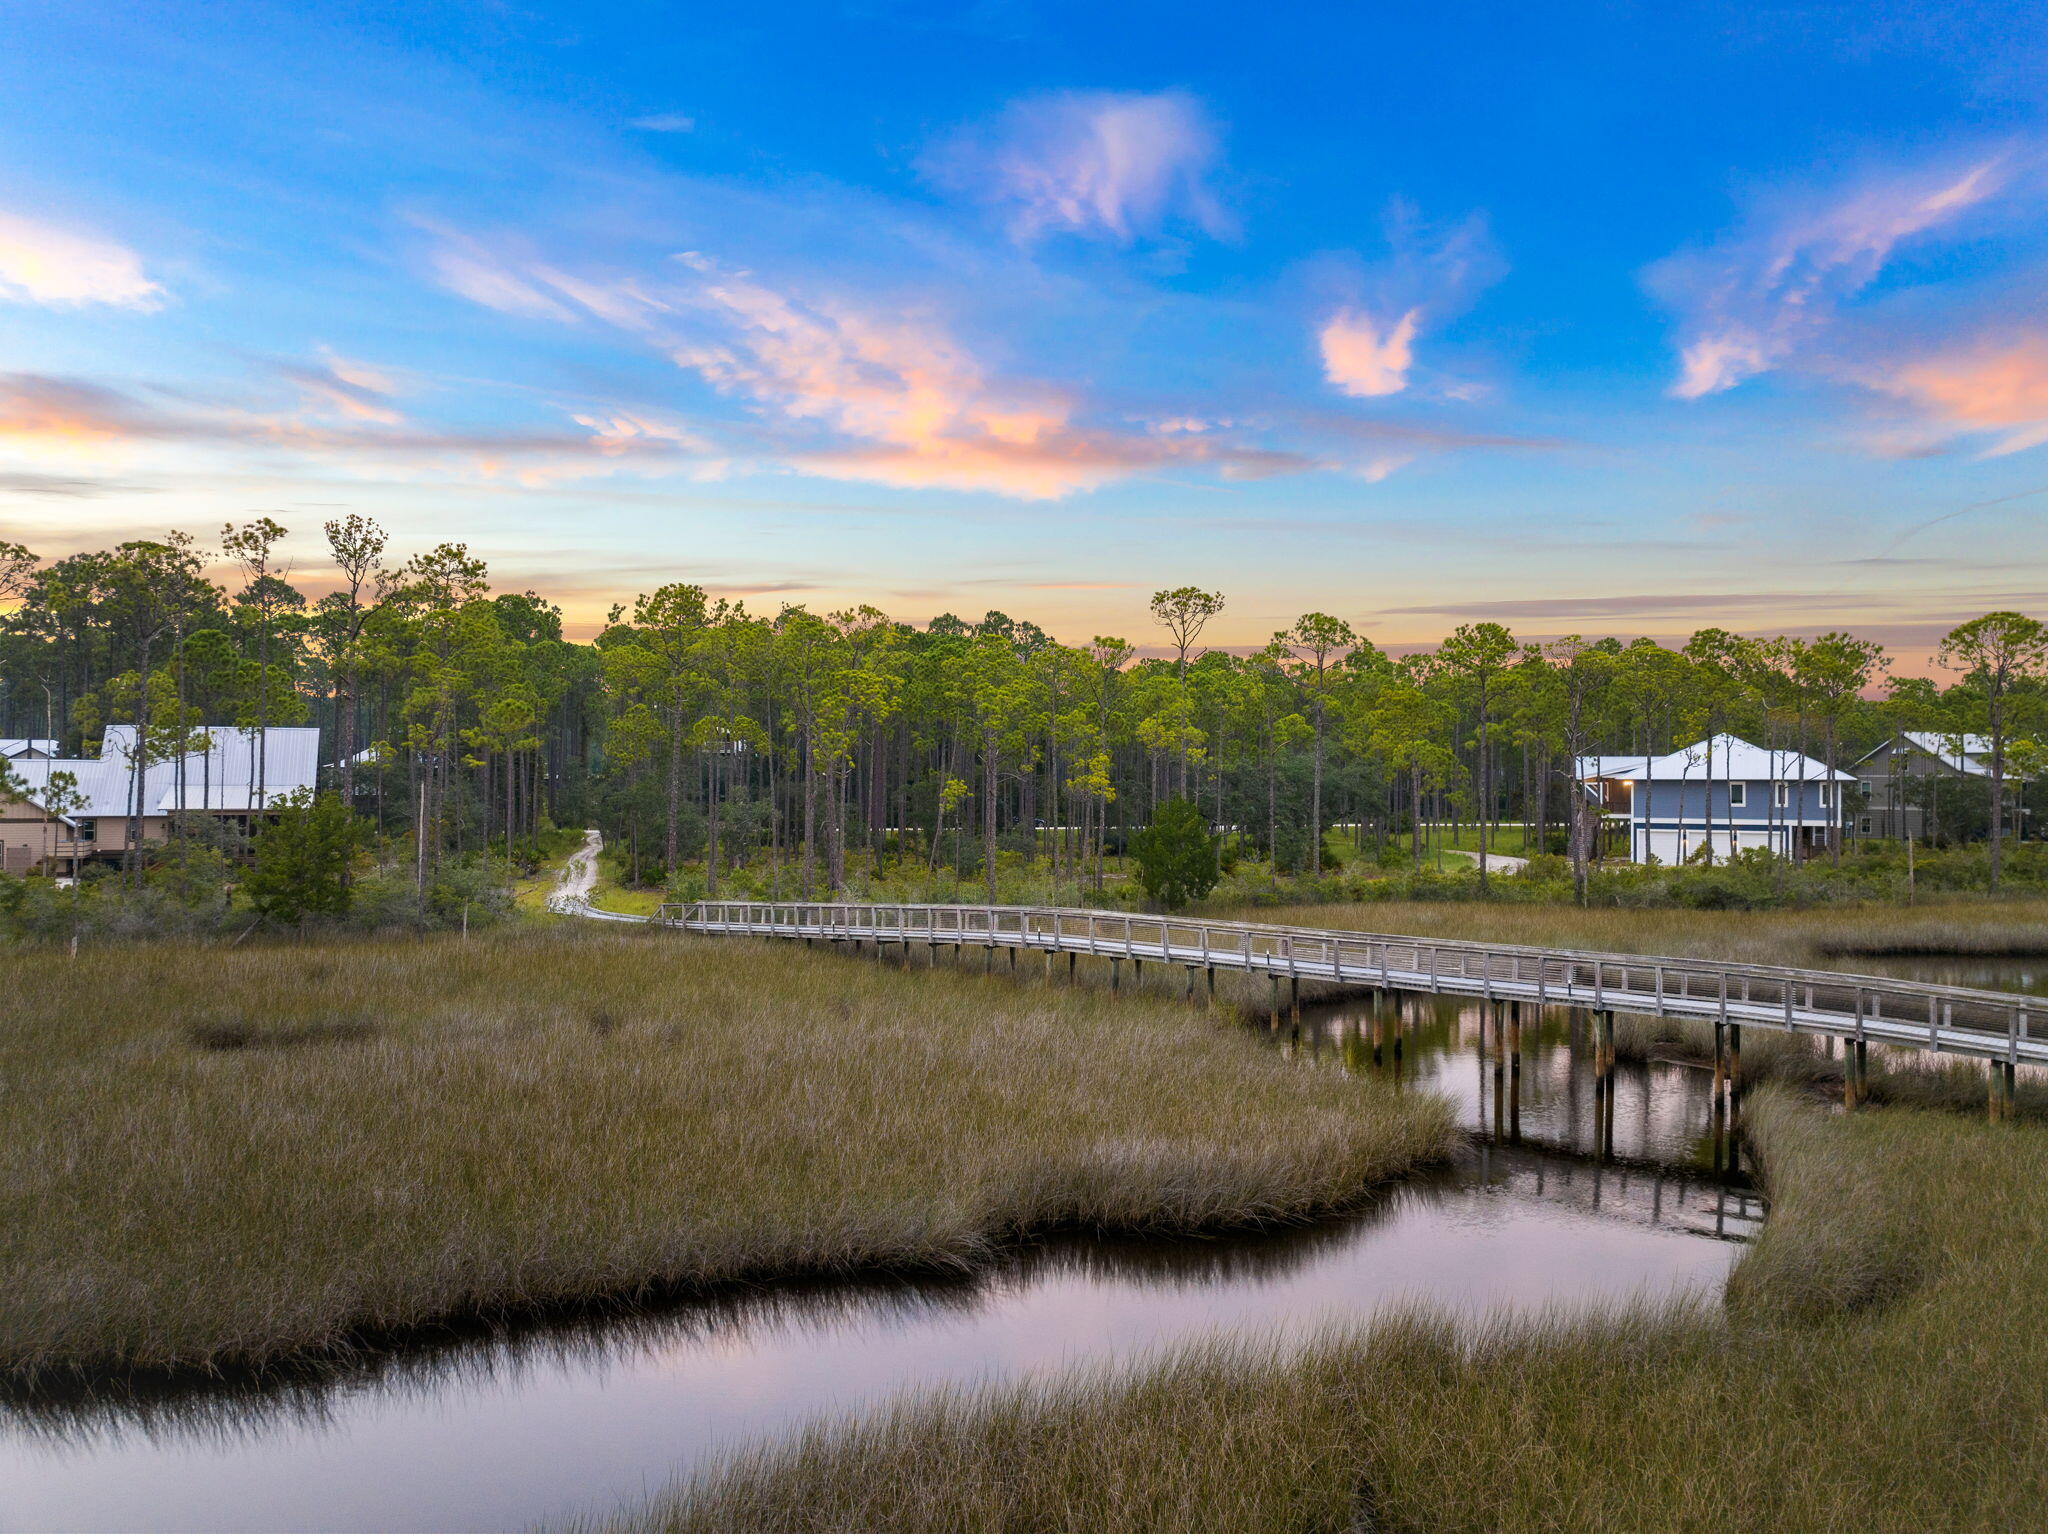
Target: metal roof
x: 12, y: 746
x: 221, y: 778
x: 1717, y: 759
x: 1971, y: 760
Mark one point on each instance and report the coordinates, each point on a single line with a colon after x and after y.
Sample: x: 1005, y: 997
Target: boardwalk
x: 1860, y: 1010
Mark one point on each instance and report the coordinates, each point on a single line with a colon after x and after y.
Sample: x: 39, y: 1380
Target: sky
x: 1625, y: 318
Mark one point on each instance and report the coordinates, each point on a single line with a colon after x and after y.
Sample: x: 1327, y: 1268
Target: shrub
x: 1178, y: 857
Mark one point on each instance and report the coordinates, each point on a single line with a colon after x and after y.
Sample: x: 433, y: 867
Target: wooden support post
x: 1734, y: 1069
x: 1013, y: 960
x: 1116, y: 975
x: 1072, y: 960
x: 1189, y: 994
x: 1500, y: 1066
x: 1273, y: 1008
x: 1862, y: 1071
x: 1137, y: 970
x: 1720, y: 1067
x: 1212, y: 987
x: 1294, y: 997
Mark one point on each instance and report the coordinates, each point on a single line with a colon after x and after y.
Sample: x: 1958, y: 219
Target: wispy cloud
x: 355, y: 390
x: 1367, y: 333
x: 60, y: 418
x: 666, y: 122
x: 1105, y: 165
x: 58, y: 268
x: 63, y: 486
x: 1752, y: 300
x: 856, y: 389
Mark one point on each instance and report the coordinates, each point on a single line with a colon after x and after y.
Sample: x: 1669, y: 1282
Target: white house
x: 238, y: 774
x: 1721, y: 793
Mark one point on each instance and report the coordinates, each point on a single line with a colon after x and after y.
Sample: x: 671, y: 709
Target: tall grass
x: 1877, y: 1368
x: 1820, y: 937
x: 237, y: 1154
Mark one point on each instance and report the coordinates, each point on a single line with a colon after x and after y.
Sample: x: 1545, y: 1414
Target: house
x: 1721, y: 793
x: 16, y: 749
x: 237, y: 774
x: 1888, y: 773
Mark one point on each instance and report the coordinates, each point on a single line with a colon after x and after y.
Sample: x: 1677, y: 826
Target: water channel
x: 1553, y: 1201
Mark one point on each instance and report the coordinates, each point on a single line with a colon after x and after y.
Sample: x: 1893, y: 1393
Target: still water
x: 1566, y: 1194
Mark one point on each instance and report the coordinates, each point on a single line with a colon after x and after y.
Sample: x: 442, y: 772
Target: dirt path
x: 1496, y: 862
x: 579, y: 878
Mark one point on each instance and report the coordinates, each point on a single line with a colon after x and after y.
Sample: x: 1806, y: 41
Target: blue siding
x: 1667, y: 803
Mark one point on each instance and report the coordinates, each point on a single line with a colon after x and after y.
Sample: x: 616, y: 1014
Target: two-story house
x: 237, y: 774
x: 1722, y: 794
x: 1894, y: 807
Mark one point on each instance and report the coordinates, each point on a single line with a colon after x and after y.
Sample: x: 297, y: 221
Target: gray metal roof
x: 1717, y: 759
x: 222, y: 778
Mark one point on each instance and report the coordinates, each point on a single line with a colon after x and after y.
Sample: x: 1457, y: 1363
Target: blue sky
x: 1588, y: 318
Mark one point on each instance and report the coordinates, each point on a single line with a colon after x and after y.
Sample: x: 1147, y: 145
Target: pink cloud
x: 1376, y: 311
x: 1995, y: 385
x: 1121, y: 166
x: 1747, y: 304
x: 1366, y: 357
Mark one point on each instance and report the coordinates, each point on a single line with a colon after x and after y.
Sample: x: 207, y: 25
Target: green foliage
x: 302, y: 860
x: 1177, y: 855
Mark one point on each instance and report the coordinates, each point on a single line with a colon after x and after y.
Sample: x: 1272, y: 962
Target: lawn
x: 212, y: 1155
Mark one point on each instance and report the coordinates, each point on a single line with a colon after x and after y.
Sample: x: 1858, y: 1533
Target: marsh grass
x: 1876, y: 1369
x: 1815, y: 938
x: 213, y: 1157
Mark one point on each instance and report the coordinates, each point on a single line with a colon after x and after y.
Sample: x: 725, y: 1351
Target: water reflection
x: 2028, y: 975
x: 489, y: 1428
x: 1526, y: 1076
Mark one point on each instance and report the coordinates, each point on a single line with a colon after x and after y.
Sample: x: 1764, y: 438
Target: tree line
x: 742, y: 751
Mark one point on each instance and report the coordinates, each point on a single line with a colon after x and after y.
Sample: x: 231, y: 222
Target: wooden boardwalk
x: 1860, y: 1010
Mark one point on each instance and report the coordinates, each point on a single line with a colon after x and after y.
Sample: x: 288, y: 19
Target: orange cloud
x: 1995, y: 386
x: 62, y: 269
x: 906, y: 401
x: 1366, y: 358
x: 61, y: 413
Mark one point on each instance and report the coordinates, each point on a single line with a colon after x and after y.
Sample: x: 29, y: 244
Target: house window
x: 82, y: 831
x: 1827, y: 795
x: 1738, y: 795
x: 1781, y: 795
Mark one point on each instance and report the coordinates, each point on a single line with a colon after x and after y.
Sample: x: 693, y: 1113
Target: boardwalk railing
x: 1987, y: 1025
